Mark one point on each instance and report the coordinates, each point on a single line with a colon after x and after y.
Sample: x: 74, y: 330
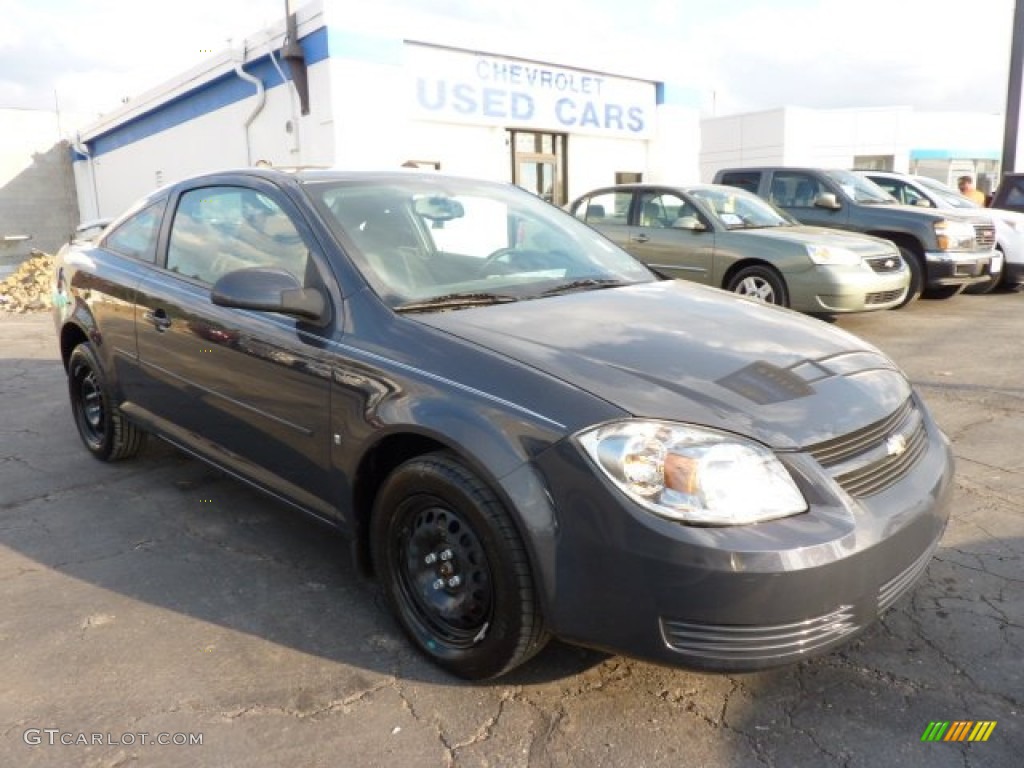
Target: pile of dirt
x: 28, y: 288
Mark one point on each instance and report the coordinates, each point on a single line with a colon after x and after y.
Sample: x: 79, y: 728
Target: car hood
x: 683, y: 352
x: 863, y: 245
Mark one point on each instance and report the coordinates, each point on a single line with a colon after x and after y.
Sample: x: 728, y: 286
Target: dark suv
x: 945, y: 252
x: 1010, y: 194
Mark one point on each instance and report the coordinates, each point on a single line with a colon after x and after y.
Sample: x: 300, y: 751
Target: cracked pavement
x: 160, y: 596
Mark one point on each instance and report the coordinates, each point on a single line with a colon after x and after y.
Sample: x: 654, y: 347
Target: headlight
x: 954, y: 235
x: 821, y: 254
x: 693, y: 474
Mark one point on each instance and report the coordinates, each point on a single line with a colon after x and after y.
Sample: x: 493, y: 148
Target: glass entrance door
x: 538, y: 164
x: 537, y: 176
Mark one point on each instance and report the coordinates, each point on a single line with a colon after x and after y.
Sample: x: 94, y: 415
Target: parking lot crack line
x: 540, y: 749
x: 486, y: 728
x: 980, y: 568
x: 448, y: 759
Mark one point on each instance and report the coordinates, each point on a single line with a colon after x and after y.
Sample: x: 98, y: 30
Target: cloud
x: 743, y: 55
x: 870, y: 53
x: 96, y: 53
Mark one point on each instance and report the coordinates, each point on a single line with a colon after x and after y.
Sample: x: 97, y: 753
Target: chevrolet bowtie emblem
x: 896, y: 445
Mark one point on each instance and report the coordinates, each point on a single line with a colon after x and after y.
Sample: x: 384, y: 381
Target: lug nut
x: 446, y: 555
x: 438, y: 584
x: 454, y: 581
x: 430, y: 559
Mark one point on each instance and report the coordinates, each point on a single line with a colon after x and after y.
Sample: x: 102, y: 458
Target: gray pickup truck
x: 945, y: 252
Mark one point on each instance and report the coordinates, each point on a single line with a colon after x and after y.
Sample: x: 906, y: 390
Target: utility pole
x: 1011, y: 127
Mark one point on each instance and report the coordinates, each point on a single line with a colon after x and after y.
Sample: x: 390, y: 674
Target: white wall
x: 210, y: 142
x: 672, y: 155
x: 756, y: 138
x: 833, y: 138
x: 594, y: 161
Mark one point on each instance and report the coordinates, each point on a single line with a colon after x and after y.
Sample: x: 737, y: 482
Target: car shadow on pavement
x: 173, y: 533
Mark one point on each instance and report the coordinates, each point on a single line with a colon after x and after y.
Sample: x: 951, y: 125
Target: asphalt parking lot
x: 159, y: 598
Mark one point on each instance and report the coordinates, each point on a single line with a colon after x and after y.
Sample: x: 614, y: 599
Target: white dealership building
x: 468, y: 99
x: 459, y: 98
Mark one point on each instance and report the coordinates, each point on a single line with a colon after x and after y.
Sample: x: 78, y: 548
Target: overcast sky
x: 739, y: 55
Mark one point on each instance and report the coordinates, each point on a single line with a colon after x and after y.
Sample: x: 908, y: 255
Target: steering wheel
x: 496, y: 257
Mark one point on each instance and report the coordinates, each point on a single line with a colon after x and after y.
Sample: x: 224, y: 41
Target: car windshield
x: 432, y: 242
x: 860, y: 189
x: 948, y: 197
x: 735, y: 208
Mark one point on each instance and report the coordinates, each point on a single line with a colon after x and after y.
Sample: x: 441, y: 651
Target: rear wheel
x: 762, y: 283
x: 107, y: 434
x: 455, y: 569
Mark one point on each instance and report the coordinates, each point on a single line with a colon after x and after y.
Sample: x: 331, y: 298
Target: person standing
x: 966, y: 186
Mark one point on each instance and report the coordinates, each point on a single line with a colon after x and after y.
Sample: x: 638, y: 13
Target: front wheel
x: 761, y: 283
x: 980, y: 289
x: 107, y: 434
x: 916, y: 267
x: 455, y: 569
x: 943, y: 292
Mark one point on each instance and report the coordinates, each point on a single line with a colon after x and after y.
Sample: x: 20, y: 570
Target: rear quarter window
x: 747, y: 180
x: 136, y: 236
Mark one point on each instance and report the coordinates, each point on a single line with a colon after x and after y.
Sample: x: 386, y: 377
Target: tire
x: 980, y: 289
x: 761, y: 283
x: 943, y: 292
x: 433, y: 522
x: 107, y: 434
x: 916, y: 268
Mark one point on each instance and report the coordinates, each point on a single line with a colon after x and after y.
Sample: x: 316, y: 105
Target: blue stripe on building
x: 208, y: 97
x: 676, y: 95
x: 954, y: 154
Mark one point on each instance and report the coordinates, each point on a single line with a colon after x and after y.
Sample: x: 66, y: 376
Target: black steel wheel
x: 454, y: 568
x: 760, y: 282
x: 102, y: 427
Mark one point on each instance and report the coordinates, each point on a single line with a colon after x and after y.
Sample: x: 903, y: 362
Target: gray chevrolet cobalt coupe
x: 521, y: 429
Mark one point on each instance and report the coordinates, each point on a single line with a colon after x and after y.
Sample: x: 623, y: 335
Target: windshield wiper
x: 586, y: 283
x: 456, y: 301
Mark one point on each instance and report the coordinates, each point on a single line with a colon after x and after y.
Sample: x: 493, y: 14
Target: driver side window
x: 217, y: 230
x: 795, y: 190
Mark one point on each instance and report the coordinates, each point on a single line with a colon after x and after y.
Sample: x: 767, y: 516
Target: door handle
x: 158, y: 318
x: 640, y: 238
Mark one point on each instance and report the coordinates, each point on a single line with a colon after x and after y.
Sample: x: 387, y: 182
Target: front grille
x: 745, y: 642
x: 894, y: 589
x: 882, y: 297
x: 874, y: 458
x: 885, y: 263
x: 985, y: 234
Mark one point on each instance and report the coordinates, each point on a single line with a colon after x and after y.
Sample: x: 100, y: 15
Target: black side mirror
x: 269, y: 289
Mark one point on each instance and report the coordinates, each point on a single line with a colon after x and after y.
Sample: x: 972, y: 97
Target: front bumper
x: 846, y: 289
x: 946, y: 268
x: 744, y: 597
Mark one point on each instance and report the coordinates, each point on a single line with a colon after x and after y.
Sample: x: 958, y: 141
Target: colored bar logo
x: 958, y: 730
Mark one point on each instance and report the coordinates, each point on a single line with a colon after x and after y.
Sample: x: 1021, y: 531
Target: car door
x: 247, y: 389
x: 796, y: 191
x: 607, y: 211
x: 670, y: 236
